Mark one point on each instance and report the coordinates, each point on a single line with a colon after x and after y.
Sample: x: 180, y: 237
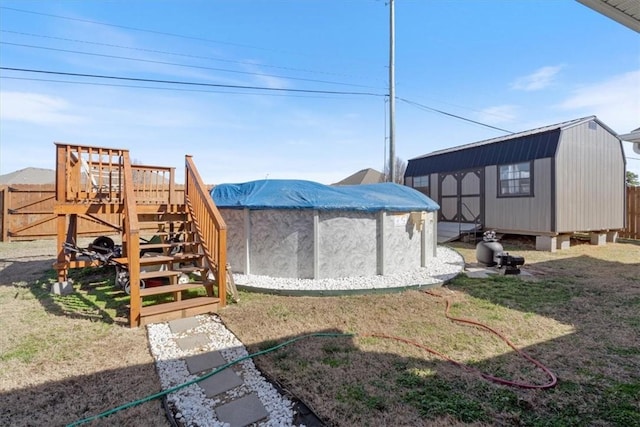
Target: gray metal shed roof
x: 625, y: 12
x: 633, y: 136
x: 532, y: 144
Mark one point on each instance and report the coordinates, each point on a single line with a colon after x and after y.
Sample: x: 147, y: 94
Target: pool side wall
x: 312, y: 244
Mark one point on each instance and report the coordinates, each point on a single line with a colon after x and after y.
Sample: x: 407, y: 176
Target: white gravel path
x: 444, y: 266
x: 191, y: 405
x: 195, y: 409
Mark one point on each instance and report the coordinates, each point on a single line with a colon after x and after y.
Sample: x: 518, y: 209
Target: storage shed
x: 307, y: 230
x: 548, y: 182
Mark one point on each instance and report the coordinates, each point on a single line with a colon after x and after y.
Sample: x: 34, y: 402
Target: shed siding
x: 433, y: 186
x: 589, y: 180
x: 521, y: 214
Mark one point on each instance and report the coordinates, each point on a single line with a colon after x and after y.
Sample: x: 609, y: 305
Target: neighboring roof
x: 29, y: 176
x: 625, y: 12
x: 365, y: 176
x: 532, y: 144
x: 633, y: 136
x: 297, y: 194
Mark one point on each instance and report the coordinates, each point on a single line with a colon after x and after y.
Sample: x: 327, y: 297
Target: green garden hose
x: 217, y: 370
x: 550, y: 384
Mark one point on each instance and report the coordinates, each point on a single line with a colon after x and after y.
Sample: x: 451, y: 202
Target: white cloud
x: 498, y: 114
x: 36, y: 108
x: 616, y: 101
x: 537, y: 80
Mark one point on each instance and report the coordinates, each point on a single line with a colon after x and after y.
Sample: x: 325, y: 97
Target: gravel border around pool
x: 446, y: 265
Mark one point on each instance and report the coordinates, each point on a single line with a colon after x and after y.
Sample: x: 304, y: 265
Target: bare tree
x: 401, y: 167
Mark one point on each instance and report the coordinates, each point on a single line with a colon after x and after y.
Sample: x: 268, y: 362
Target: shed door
x: 460, y: 196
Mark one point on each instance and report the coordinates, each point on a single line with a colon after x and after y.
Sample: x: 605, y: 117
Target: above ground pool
x: 306, y: 230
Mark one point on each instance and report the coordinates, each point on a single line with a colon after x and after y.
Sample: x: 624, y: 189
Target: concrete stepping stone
x: 193, y: 342
x: 242, y: 412
x: 220, y: 382
x: 182, y: 325
x: 204, y: 361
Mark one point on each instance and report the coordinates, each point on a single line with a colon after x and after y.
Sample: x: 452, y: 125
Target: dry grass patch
x: 578, y: 315
x: 67, y: 358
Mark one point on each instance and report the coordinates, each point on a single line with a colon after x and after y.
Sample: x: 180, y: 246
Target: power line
x: 125, y: 27
x: 185, y: 55
x: 174, y: 89
x: 181, y: 65
x: 424, y: 107
x: 197, y: 84
x: 144, y: 30
x: 179, y: 82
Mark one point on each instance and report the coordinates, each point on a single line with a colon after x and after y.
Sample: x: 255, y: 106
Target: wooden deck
x: 189, y: 233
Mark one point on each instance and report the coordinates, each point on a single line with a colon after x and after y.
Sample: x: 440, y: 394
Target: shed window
x: 515, y: 180
x: 421, y: 183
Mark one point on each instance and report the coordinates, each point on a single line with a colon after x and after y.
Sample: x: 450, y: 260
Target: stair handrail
x: 210, y: 226
x: 132, y: 242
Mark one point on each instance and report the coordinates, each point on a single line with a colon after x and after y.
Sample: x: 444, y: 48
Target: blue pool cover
x: 298, y: 194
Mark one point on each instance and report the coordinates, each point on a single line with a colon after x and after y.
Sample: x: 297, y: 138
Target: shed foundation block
x: 546, y: 243
x: 612, y: 236
x: 598, y: 238
x: 564, y: 241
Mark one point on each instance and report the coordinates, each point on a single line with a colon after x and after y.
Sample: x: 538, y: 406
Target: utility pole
x: 392, y: 93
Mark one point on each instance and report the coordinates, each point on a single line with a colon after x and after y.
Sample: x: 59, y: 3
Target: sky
x: 297, y: 89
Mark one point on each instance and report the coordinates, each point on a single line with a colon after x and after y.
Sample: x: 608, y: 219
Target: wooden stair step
x: 191, y: 269
x: 166, y: 289
x: 161, y: 273
x: 166, y: 233
x: 166, y: 245
x: 160, y: 209
x: 186, y: 256
x: 164, y: 216
x: 178, y: 309
x: 164, y: 223
x: 160, y: 259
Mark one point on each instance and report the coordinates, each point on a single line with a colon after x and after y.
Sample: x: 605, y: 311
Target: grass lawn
x: 579, y: 315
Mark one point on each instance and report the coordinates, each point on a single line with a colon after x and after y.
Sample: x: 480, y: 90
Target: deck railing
x: 87, y: 174
x: 154, y: 184
x: 210, y: 227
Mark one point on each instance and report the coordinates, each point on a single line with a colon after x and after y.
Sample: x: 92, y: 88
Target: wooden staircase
x: 173, y: 244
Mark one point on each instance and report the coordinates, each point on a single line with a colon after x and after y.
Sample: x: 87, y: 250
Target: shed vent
x: 593, y: 125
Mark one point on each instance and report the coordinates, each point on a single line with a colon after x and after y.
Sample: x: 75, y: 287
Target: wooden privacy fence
x: 633, y: 214
x: 26, y: 213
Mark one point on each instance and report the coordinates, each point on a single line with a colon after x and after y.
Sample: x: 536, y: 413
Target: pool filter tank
x: 490, y: 252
